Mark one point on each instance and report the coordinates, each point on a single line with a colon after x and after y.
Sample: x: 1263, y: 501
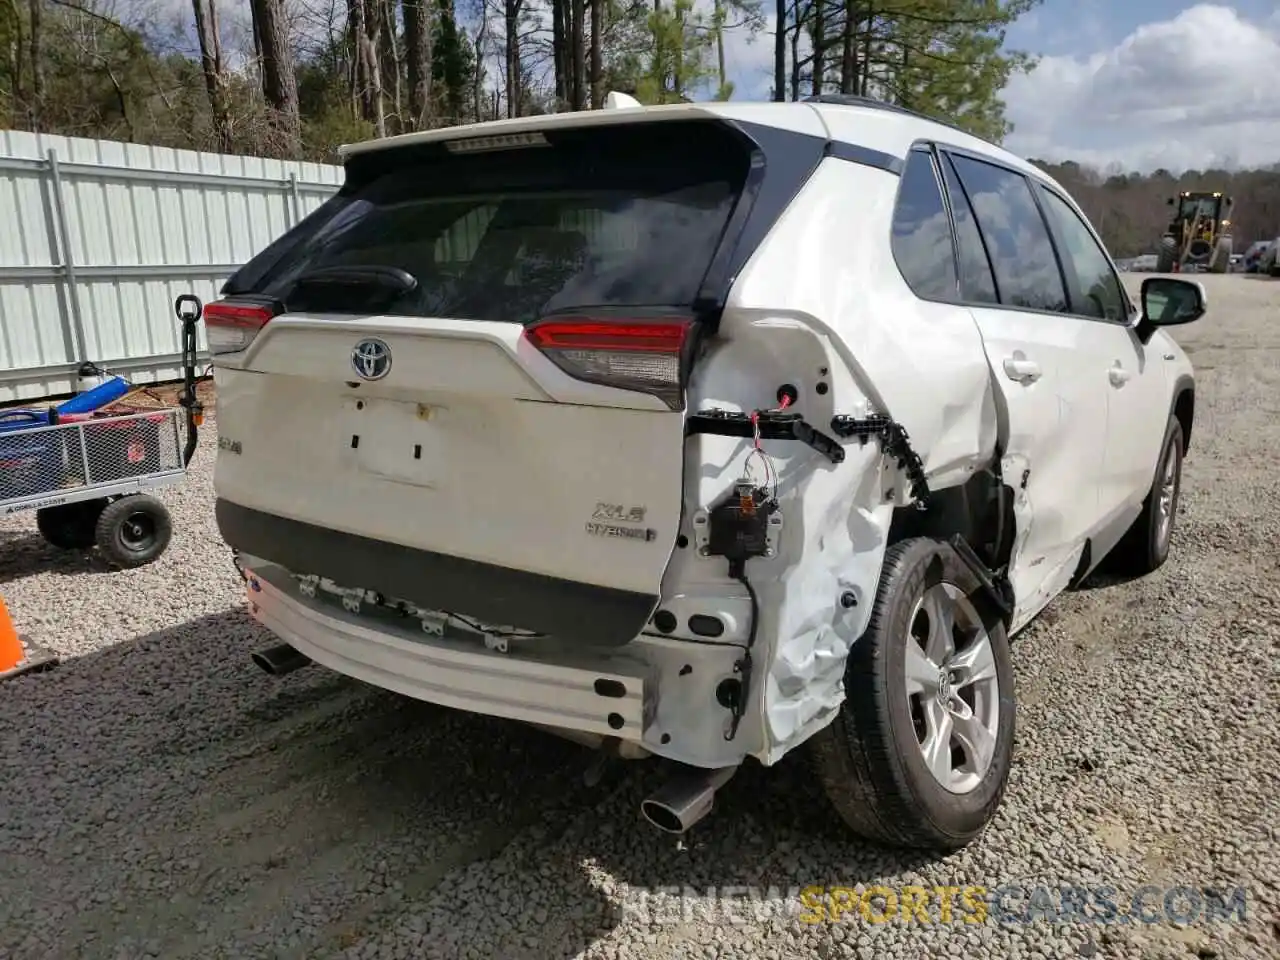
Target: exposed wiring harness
x: 749, y: 518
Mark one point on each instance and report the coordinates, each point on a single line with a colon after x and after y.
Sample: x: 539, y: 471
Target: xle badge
x: 617, y: 513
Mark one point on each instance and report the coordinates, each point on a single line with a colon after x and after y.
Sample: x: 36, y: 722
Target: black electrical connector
x: 738, y: 529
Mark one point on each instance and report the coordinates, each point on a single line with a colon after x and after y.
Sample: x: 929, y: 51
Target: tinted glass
x: 615, y: 218
x: 921, y: 232
x: 976, y: 282
x: 1016, y: 236
x: 1096, y: 291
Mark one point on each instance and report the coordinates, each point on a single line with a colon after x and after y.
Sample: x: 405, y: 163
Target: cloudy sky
x: 1130, y: 82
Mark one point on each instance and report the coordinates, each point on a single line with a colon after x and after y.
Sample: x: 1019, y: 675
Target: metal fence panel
x: 98, y: 238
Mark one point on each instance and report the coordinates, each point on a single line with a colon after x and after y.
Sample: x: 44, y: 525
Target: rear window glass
x: 613, y: 217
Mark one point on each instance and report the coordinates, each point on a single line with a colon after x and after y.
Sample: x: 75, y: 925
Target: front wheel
x: 133, y: 531
x: 1145, y: 546
x: 920, y: 752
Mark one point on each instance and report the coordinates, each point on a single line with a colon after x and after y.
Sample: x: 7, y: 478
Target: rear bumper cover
x: 577, y: 612
x: 512, y: 686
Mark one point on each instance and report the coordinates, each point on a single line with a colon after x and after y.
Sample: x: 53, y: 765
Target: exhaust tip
x: 685, y: 800
x: 663, y: 817
x: 279, y: 660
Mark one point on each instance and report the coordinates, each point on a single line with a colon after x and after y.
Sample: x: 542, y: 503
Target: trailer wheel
x: 133, y: 531
x: 71, y: 526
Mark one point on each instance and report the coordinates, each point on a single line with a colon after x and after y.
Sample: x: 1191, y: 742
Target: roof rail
x: 852, y: 100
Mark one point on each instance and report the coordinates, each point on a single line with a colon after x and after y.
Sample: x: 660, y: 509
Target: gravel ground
x: 162, y: 797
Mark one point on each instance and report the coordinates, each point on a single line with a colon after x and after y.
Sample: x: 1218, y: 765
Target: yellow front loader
x: 1199, y: 235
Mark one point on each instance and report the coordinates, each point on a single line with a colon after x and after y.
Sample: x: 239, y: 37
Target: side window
x: 1017, y: 239
x: 921, y: 233
x: 977, y: 285
x: 1097, y: 291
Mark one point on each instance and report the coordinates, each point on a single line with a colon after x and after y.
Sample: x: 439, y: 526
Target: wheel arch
x: 980, y: 511
x: 1184, y: 407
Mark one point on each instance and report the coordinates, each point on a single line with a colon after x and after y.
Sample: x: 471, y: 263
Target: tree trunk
x: 17, y: 69
x: 279, y: 82
x: 389, y: 58
x: 577, y: 32
x: 818, y: 42
x: 215, y: 76
x: 849, y: 56
x: 722, y: 75
x: 597, y: 54
x: 35, y: 106
x: 417, y: 47
x: 795, y: 52
x: 560, y: 50
x: 511, y: 26
x: 780, y: 51
x: 865, y: 66
x: 362, y: 23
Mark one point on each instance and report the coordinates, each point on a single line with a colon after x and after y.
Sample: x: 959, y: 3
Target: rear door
x: 1055, y: 415
x: 462, y: 385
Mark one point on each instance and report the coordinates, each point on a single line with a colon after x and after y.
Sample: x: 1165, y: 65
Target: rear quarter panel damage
x: 853, y: 324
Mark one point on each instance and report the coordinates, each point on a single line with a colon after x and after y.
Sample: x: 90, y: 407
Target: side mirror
x: 1169, y: 201
x: 1169, y: 302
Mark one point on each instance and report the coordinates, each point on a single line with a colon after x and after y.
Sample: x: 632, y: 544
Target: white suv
x: 699, y: 431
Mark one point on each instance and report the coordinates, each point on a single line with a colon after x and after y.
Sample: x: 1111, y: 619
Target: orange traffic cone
x: 14, y: 659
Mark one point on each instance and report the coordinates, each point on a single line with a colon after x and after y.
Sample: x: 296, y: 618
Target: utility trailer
x: 90, y: 478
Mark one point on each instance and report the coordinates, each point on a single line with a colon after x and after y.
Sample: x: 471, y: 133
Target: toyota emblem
x: 371, y: 359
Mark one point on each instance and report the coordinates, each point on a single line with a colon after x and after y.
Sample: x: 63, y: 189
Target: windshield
x: 1198, y: 206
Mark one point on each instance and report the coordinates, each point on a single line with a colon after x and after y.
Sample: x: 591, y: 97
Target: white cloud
x: 1195, y: 91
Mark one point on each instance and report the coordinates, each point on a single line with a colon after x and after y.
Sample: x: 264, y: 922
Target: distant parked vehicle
x: 1269, y: 261
x: 1254, y: 254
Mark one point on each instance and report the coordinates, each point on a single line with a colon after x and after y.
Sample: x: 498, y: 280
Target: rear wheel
x: 1220, y: 262
x: 133, y: 531
x: 70, y: 526
x: 920, y: 752
x: 1145, y: 546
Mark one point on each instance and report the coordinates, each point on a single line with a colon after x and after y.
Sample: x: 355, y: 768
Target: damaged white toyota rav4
x: 706, y: 432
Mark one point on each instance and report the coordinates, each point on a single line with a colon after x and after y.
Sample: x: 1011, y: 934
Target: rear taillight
x: 648, y: 356
x: 231, y: 325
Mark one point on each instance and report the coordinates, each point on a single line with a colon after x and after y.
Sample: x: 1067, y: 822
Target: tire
x: 1166, y: 255
x: 133, y: 531
x: 70, y: 526
x: 1221, y: 260
x: 870, y: 760
x: 1145, y: 546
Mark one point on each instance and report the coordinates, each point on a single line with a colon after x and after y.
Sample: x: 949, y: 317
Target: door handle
x: 1021, y: 369
x: 1119, y: 375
